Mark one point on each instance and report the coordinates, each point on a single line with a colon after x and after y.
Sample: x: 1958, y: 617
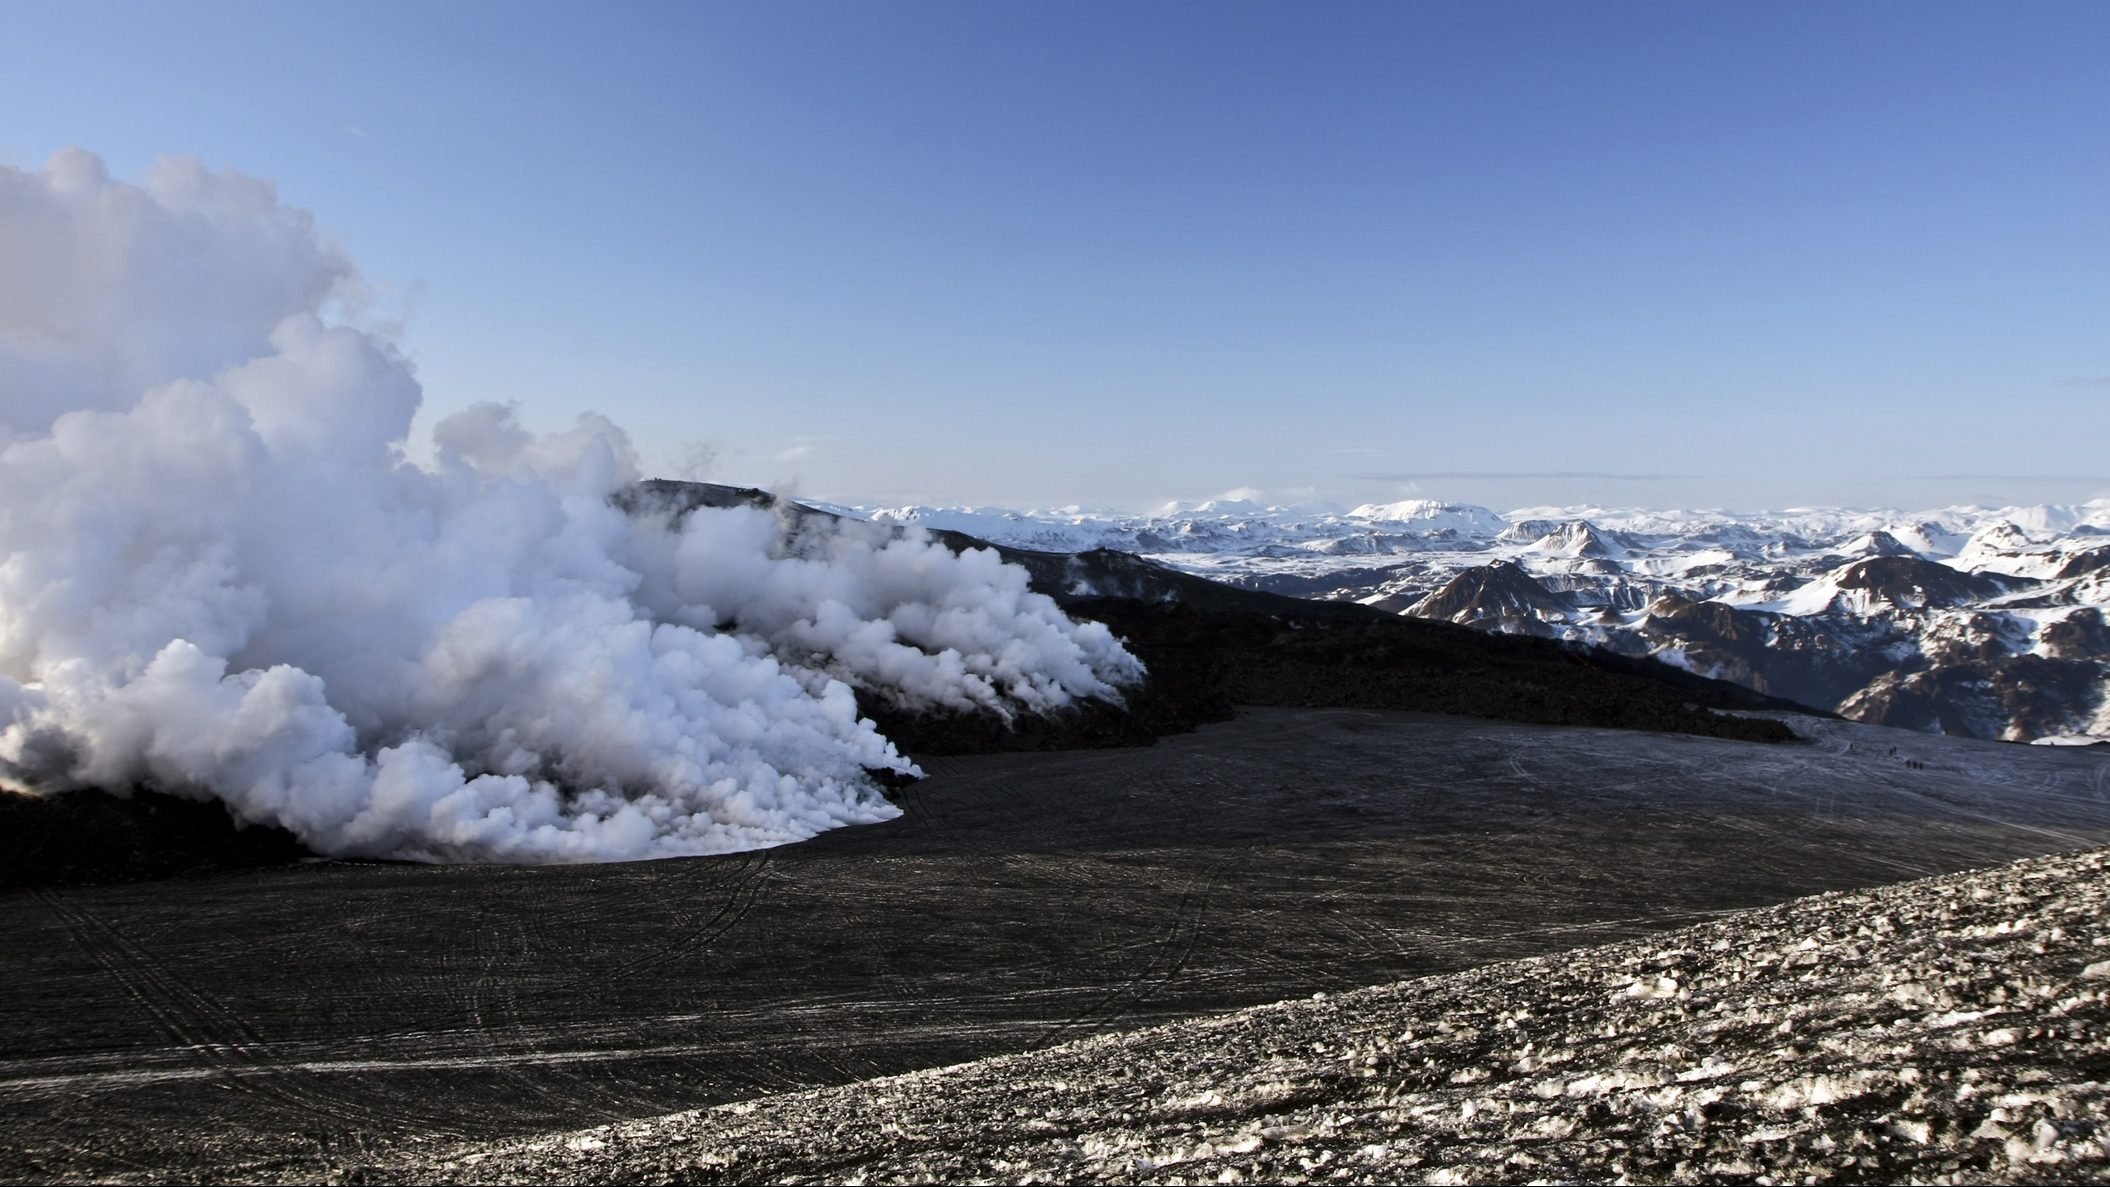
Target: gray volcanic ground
x: 304, y: 1021
x: 1952, y: 1030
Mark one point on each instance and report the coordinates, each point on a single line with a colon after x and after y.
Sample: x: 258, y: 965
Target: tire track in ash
x: 1348, y: 911
x: 733, y: 882
x: 545, y: 927
x: 510, y: 1027
x: 96, y: 942
x: 499, y: 1001
x: 480, y: 979
x: 510, y: 1003
x: 212, y: 1033
x: 745, y: 886
x: 1169, y: 957
x: 823, y: 1029
x: 913, y: 799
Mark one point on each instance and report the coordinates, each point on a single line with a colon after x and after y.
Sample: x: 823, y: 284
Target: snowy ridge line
x: 1220, y: 524
x: 1985, y: 622
x: 1951, y: 1029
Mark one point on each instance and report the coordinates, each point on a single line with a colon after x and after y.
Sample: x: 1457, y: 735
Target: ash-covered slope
x: 1955, y: 1029
x: 1965, y: 620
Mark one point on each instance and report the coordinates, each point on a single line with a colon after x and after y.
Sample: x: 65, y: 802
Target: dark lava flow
x: 294, y: 1017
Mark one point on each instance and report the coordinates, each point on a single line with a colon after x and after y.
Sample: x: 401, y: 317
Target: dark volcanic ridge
x: 91, y: 836
x: 1207, y: 646
x: 1950, y: 1030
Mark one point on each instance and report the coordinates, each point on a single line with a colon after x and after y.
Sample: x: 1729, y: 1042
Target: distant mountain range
x: 1965, y: 620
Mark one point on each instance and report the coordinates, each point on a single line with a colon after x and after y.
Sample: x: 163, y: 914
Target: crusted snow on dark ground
x: 1952, y: 1029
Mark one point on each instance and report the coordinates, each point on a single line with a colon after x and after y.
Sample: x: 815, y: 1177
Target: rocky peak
x: 1577, y: 538
x: 1498, y: 590
x: 1911, y: 582
x: 1877, y: 543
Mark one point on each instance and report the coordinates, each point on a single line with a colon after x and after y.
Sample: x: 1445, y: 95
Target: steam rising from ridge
x: 218, y: 575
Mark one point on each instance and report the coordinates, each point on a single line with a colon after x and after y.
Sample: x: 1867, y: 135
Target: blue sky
x: 1687, y: 254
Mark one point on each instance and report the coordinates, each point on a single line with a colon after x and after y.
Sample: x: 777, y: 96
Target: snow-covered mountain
x: 1967, y: 620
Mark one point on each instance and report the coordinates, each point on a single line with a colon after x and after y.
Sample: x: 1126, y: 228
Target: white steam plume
x: 219, y: 577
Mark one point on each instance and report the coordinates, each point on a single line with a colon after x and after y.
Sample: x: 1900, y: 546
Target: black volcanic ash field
x: 301, y: 1019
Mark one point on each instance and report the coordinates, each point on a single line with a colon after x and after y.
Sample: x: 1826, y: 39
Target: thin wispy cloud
x: 802, y: 447
x: 2036, y: 478
x: 1513, y: 476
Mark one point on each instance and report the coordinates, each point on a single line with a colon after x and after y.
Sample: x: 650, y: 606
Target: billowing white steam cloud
x: 218, y: 575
